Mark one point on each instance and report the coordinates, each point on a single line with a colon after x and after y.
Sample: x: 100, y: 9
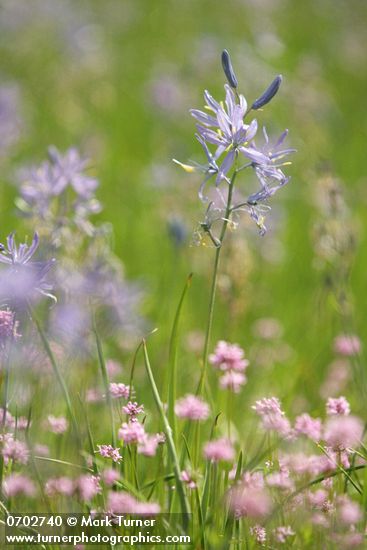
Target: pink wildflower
x: 259, y: 534
x: 147, y: 508
x: 311, y: 427
x: 57, y: 425
x: 132, y: 432
x: 133, y: 409
x: 337, y: 406
x: 93, y: 395
x: 219, y: 449
x: 59, y: 485
x: 123, y: 503
x: 9, y: 419
x: 110, y: 476
x: 268, y: 328
x: 272, y: 416
x: 318, y: 498
x: 281, y: 480
x: 342, y: 432
x: 188, y: 480
x: 15, y: 450
x: 349, y: 512
x: 247, y: 502
x: 113, y: 367
x: 17, y: 484
x: 347, y: 345
x: 107, y: 451
x: 119, y: 390
x: 148, y: 446
x: 253, y: 480
x: 120, y: 503
x: 281, y: 534
x: 192, y: 407
x: 88, y: 486
x: 268, y: 406
x: 41, y: 450
x: 337, y: 377
x: 228, y: 357
x: 233, y: 381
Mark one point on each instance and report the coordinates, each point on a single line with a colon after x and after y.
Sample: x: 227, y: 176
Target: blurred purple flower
x: 23, y: 278
x: 41, y: 186
x: 69, y: 170
x: 10, y: 121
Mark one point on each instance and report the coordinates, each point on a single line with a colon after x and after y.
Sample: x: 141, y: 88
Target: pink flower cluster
x: 20, y: 423
x: 57, y: 425
x: 119, y: 390
x: 123, y: 503
x: 133, y: 433
x: 87, y: 486
x: 218, y: 450
x: 229, y: 358
x: 107, y: 451
x: 347, y: 345
x: 133, y: 409
x: 249, y: 502
x: 18, y: 484
x: 272, y: 416
x: 188, y: 480
x: 337, y: 406
x: 343, y: 432
x: 192, y: 407
x: 281, y: 534
x: 311, y: 427
x: 14, y: 450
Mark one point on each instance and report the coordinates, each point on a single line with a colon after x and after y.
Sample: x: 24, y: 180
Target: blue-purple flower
x: 44, y: 193
x: 269, y: 159
x: 69, y: 170
x: 224, y: 126
x: 23, y: 278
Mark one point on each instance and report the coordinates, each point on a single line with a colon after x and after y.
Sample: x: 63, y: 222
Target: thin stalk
x: 173, y: 346
x: 6, y: 370
x: 56, y: 370
x: 214, y: 285
x: 102, y: 364
x: 170, y: 443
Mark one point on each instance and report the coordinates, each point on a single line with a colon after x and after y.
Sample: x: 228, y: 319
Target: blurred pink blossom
x: 342, y: 432
x: 18, y: 484
x: 132, y: 432
x: 248, y: 502
x: 347, y: 345
x: 57, y: 425
x: 219, y: 449
x: 192, y: 407
x: 311, y: 427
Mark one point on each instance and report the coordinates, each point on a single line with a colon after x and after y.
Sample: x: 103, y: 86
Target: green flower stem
x: 170, y: 443
x: 214, y: 285
x: 106, y: 384
x: 56, y: 370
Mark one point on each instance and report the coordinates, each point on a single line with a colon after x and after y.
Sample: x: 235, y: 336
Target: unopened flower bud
x: 268, y: 94
x: 228, y: 69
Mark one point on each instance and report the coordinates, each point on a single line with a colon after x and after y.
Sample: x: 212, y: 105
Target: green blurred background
x: 116, y: 78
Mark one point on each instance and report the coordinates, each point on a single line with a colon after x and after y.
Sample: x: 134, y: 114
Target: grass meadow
x: 168, y: 347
